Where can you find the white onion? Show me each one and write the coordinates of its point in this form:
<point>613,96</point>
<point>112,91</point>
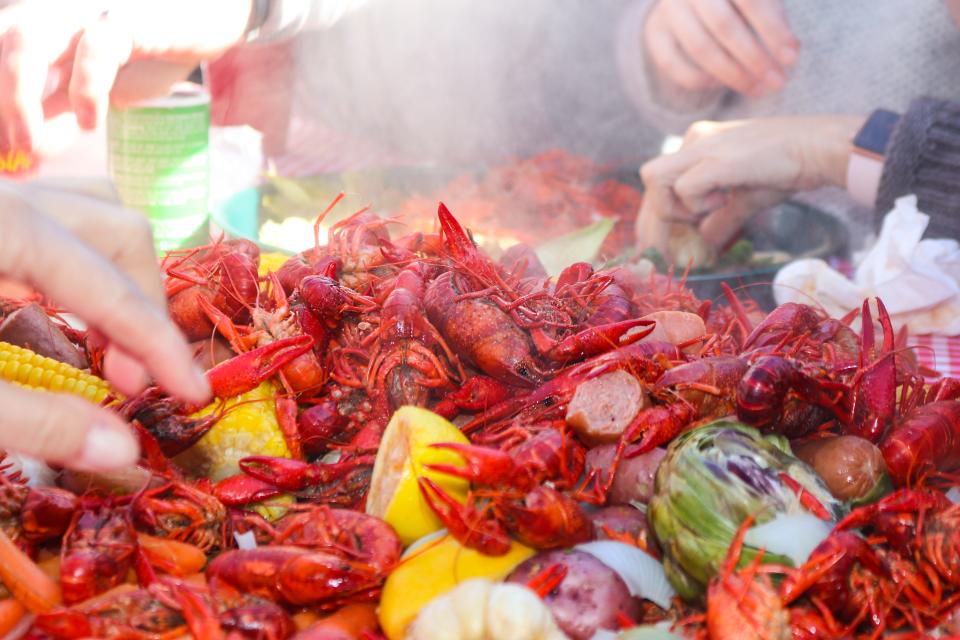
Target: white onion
<point>642,574</point>
<point>416,544</point>
<point>246,540</point>
<point>794,535</point>
<point>37,473</point>
<point>20,629</point>
<point>605,634</point>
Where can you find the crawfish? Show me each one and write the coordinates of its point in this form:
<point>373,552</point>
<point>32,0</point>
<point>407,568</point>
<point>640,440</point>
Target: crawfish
<point>169,609</point>
<point>98,550</point>
<point>694,391</point>
<point>745,604</point>
<point>327,557</point>
<point>403,361</point>
<point>167,419</point>
<point>183,512</point>
<point>514,494</point>
<point>343,483</point>
<point>223,273</point>
<point>34,515</point>
<point>600,313</point>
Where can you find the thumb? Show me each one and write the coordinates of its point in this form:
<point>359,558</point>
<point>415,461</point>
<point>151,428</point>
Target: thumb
<point>65,430</point>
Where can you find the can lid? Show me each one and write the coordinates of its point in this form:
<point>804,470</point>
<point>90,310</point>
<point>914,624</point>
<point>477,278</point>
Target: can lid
<point>183,94</point>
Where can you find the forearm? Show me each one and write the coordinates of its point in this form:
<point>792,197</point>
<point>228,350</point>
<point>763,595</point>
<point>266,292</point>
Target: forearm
<point>671,108</point>
<point>923,158</point>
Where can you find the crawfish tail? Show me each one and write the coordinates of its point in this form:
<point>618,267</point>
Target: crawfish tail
<point>928,438</point>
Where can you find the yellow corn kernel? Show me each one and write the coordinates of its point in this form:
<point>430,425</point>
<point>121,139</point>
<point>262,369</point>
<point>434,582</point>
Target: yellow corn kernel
<point>271,262</point>
<point>27,369</point>
<point>248,427</point>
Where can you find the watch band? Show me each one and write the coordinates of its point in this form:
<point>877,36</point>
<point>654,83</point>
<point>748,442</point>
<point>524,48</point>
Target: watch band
<point>865,167</point>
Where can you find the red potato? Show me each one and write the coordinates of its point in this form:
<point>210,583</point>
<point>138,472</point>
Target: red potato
<point>633,482</point>
<point>853,468</point>
<point>601,408</point>
<point>590,597</point>
<point>622,522</point>
<point>675,327</point>
<point>31,328</point>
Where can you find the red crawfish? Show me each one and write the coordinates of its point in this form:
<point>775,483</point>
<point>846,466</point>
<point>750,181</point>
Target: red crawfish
<point>223,273</point>
<point>512,497</point>
<point>408,355</point>
<point>745,604</point>
<point>600,311</point>
<point>926,438</point>
<point>321,557</point>
<point>167,419</point>
<point>344,483</point>
<point>183,512</point>
<point>170,609</point>
<point>34,515</point>
<point>646,360</point>
<point>690,392</point>
<point>98,551</point>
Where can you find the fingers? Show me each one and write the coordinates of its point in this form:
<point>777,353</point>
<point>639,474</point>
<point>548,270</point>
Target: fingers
<point>733,33</point>
<point>721,225</point>
<point>670,59</point>
<point>37,250</point>
<point>129,245</point>
<point>702,186</point>
<point>103,48</point>
<point>23,74</point>
<point>700,45</point>
<point>769,20</point>
<point>64,430</point>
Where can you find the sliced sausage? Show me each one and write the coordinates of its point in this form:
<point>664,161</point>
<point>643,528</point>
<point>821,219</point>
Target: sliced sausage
<point>675,327</point>
<point>601,408</point>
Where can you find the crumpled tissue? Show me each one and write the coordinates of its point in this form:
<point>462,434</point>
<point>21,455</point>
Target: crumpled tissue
<point>918,280</point>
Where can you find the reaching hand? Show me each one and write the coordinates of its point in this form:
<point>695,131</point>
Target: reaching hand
<point>98,261</point>
<point>725,172</point>
<point>745,45</point>
<point>88,57</point>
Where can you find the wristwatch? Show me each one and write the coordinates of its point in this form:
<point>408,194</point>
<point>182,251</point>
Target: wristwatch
<point>866,157</point>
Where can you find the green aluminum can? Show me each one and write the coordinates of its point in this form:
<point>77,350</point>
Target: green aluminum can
<point>159,161</point>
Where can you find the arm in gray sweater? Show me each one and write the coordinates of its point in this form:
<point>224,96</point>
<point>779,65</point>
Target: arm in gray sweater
<point>923,158</point>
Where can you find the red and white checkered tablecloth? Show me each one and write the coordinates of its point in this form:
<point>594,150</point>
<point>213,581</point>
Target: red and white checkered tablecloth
<point>313,150</point>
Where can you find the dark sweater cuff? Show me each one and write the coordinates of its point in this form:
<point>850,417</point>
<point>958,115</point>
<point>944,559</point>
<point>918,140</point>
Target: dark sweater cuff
<point>923,158</point>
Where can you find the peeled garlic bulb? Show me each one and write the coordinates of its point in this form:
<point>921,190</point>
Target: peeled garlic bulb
<point>483,610</point>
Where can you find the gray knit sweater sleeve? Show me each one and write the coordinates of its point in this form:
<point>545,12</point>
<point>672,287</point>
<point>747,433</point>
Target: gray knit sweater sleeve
<point>923,158</point>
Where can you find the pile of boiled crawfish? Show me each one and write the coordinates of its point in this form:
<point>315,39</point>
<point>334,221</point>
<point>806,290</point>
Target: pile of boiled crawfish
<point>371,321</point>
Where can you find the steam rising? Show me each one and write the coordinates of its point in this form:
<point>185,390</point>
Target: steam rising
<point>471,82</point>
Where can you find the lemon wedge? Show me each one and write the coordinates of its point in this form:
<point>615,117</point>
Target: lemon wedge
<point>405,447</point>
<point>432,571</point>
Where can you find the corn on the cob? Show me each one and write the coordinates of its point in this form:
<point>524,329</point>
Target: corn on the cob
<point>248,427</point>
<point>27,369</point>
<point>271,262</point>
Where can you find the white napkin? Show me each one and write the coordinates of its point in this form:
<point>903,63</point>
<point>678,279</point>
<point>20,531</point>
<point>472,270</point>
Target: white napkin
<point>918,280</point>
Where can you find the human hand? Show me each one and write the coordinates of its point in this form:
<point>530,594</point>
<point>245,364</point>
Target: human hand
<point>60,56</point>
<point>725,172</point>
<point>745,45</point>
<point>55,242</point>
